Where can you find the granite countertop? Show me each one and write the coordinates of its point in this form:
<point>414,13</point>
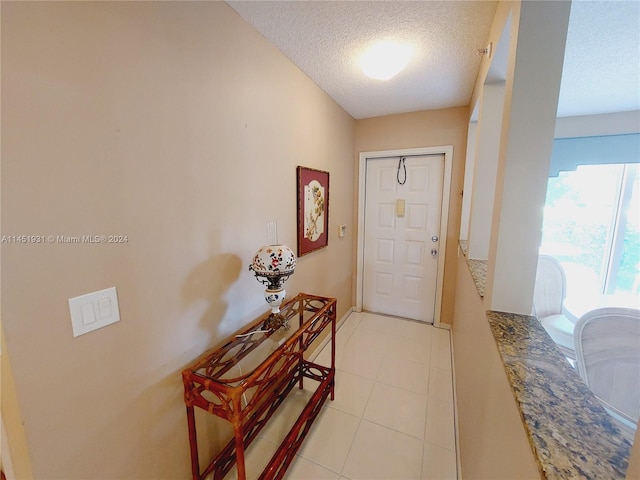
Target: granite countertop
<point>464,246</point>
<point>478,268</point>
<point>570,432</point>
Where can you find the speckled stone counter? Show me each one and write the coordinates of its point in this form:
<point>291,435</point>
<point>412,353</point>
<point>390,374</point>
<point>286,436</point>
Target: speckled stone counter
<point>464,246</point>
<point>571,434</point>
<point>478,268</point>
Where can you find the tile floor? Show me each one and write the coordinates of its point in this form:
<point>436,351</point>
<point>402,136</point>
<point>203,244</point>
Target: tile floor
<point>393,413</point>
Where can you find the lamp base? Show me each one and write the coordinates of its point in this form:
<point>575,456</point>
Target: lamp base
<point>275,299</point>
<point>275,321</point>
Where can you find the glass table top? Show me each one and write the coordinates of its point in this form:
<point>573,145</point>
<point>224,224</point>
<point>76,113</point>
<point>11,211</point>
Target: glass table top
<point>243,353</point>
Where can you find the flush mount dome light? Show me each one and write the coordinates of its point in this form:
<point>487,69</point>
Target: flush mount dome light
<point>385,60</point>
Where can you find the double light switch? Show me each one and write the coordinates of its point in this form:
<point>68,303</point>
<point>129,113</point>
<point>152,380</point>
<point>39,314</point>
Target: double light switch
<point>94,310</point>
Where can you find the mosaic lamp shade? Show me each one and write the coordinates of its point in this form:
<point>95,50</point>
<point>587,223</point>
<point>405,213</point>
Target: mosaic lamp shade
<point>273,265</point>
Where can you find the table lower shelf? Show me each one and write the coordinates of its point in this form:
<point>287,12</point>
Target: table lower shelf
<point>277,466</point>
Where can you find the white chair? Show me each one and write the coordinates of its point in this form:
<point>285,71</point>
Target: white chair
<point>548,302</point>
<point>607,343</point>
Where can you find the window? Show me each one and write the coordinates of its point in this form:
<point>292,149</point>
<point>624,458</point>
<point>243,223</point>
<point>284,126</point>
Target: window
<point>592,226</point>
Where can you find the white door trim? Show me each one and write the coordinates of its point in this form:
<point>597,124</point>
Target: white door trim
<point>447,151</point>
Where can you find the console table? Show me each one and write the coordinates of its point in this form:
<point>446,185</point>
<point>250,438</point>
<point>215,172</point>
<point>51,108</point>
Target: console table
<point>247,378</point>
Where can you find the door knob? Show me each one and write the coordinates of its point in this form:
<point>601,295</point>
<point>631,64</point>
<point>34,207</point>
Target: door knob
<point>434,252</point>
<point>434,238</point>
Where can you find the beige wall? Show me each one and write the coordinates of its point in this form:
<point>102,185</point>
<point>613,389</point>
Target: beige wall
<point>493,442</point>
<point>425,129</point>
<point>14,461</point>
<point>179,126</point>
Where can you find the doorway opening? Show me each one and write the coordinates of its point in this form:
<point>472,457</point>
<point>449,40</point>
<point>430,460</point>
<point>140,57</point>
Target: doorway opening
<point>446,156</point>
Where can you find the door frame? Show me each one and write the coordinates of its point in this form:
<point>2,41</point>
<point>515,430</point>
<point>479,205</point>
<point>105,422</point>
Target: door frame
<point>447,151</point>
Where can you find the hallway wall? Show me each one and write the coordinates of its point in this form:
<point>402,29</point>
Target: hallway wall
<point>177,126</point>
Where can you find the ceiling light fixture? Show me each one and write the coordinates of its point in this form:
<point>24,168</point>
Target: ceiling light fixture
<point>385,60</point>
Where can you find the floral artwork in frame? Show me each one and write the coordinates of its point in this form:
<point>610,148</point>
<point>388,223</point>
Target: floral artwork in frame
<point>313,210</point>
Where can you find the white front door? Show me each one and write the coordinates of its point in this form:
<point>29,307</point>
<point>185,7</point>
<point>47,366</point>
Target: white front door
<point>401,235</point>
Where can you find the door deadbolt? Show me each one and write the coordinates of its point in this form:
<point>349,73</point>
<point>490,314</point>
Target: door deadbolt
<point>434,252</point>
<point>434,238</point>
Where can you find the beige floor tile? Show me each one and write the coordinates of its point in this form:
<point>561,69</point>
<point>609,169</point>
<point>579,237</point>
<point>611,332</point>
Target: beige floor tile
<point>380,323</point>
<point>350,324</point>
<point>405,348</point>
<point>438,463</point>
<point>441,334</point>
<point>351,393</point>
<point>397,409</point>
<point>440,428</point>
<point>382,453</point>
<point>406,374</point>
<point>441,384</point>
<point>324,357</point>
<point>393,415</point>
<point>303,469</point>
<point>398,326</point>
<point>342,336</point>
<point>441,350</point>
<point>281,422</point>
<point>414,330</point>
<point>365,338</point>
<point>360,361</point>
<point>441,359</point>
<point>328,442</point>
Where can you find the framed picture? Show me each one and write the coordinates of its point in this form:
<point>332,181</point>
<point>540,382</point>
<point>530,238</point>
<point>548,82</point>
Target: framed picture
<point>313,210</point>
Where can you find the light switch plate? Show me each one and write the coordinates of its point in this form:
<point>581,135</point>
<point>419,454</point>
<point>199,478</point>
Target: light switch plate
<point>94,310</point>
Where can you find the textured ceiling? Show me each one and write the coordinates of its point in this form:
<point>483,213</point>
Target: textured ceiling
<point>602,58</point>
<point>325,38</point>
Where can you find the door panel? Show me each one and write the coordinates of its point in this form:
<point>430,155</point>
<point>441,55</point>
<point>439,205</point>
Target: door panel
<point>399,271</point>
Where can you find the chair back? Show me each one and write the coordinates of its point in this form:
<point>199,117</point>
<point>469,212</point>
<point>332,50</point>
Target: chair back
<point>607,342</point>
<point>550,288</point>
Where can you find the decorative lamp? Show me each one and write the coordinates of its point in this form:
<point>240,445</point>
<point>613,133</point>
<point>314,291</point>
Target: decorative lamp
<point>273,265</point>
